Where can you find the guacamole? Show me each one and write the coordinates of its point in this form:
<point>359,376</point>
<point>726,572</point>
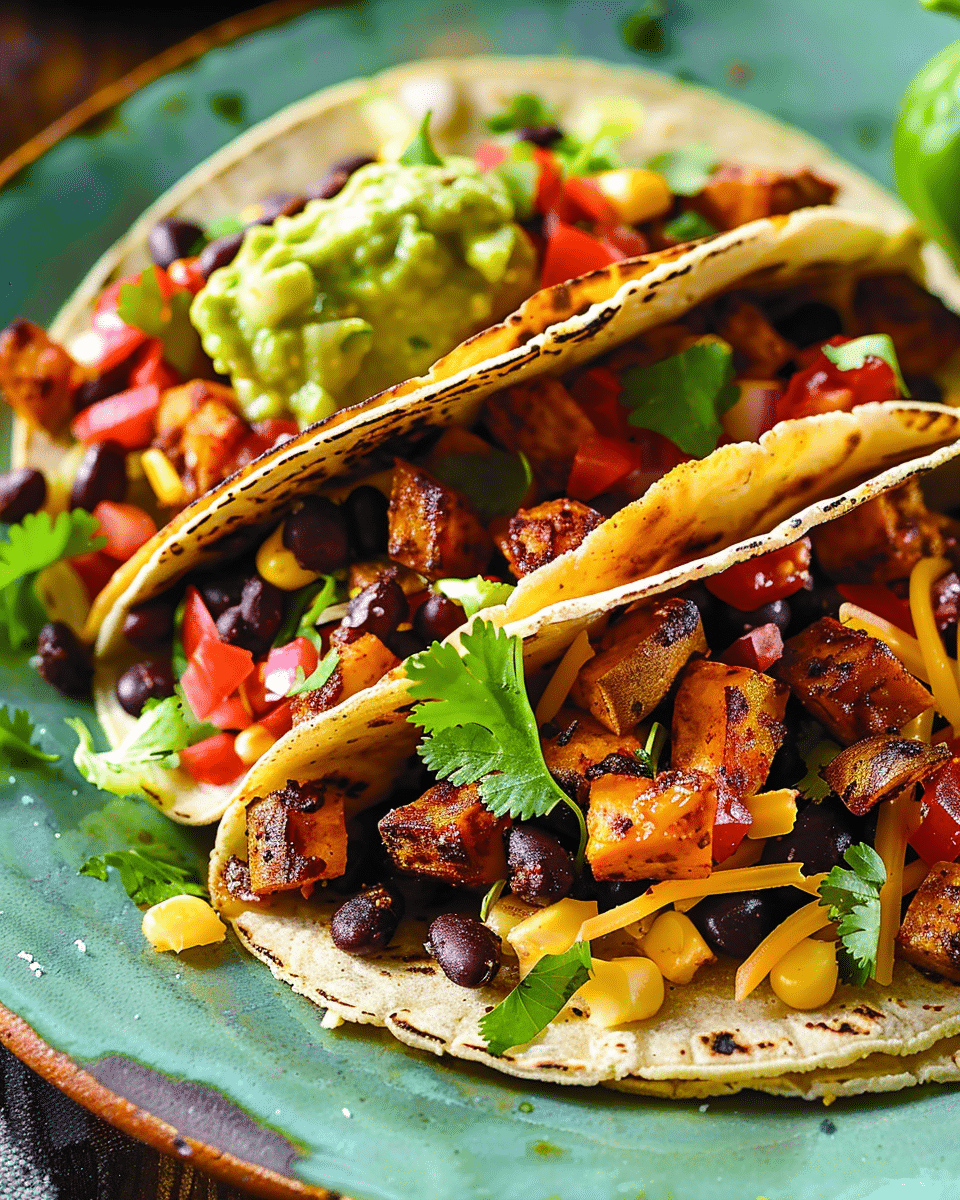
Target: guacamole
<point>358,292</point>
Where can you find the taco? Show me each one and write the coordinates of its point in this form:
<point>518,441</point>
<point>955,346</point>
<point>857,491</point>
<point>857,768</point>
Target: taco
<point>774,839</point>
<point>434,563</point>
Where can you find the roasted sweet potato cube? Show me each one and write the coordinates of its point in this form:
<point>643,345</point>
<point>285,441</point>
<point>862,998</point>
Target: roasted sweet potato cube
<point>881,540</point>
<point>651,828</point>
<point>360,665</point>
<point>536,536</point>
<point>880,767</point>
<point>37,377</point>
<point>433,529</point>
<point>925,333</point>
<point>577,749</point>
<point>852,683</point>
<point>447,834</point>
<point>543,421</point>
<point>296,836</point>
<point>728,722</point>
<point>735,195</point>
<point>626,681</point>
<point>930,934</point>
<point>759,351</point>
<point>199,428</point>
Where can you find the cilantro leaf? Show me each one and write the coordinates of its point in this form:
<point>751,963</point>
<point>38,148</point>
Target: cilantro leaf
<point>154,740</point>
<point>16,733</point>
<point>476,593</point>
<point>536,999</point>
<point>420,152</point>
<point>526,108</point>
<point>683,397</point>
<point>688,226</point>
<point>687,168</point>
<point>490,899</point>
<point>649,756</point>
<point>853,900</point>
<point>305,607</point>
<point>495,484</point>
<point>142,305</point>
<point>642,30</point>
<point>850,356</point>
<point>149,874</point>
<point>813,785</point>
<point>318,677</point>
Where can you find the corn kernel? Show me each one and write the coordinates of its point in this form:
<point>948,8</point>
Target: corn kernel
<point>63,595</point>
<point>252,743</point>
<point>636,194</point>
<point>550,930</point>
<point>806,976</point>
<point>507,914</point>
<point>277,565</point>
<point>675,945</point>
<point>774,813</point>
<point>622,990</point>
<point>163,478</point>
<point>182,922</point>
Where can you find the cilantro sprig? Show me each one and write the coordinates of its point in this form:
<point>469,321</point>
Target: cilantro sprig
<point>813,785</point>
<point>850,356</point>
<point>149,874</point>
<point>421,151</point>
<point>16,740</point>
<point>649,756</point>
<point>479,724</point>
<point>142,305</point>
<point>476,593</point>
<point>853,900</point>
<point>536,999</point>
<point>523,109</point>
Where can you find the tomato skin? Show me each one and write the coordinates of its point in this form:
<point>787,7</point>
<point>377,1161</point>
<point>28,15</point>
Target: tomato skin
<point>730,827</point>
<point>279,720</point>
<point>823,387</point>
<point>197,622</point>
<point>571,252</point>
<point>758,649</point>
<point>151,368</point>
<point>214,673</point>
<point>95,569</point>
<point>584,193</point>
<point>937,839</point>
<point>774,576</point>
<point>213,760</point>
<point>489,155</point>
<point>231,714</point>
<point>878,598</point>
<point>186,274</point>
<point>600,463</point>
<point>118,342</point>
<point>624,242</point>
<point>597,391</point>
<point>550,181</point>
<point>125,526</point>
<point>127,418</point>
<point>280,669</point>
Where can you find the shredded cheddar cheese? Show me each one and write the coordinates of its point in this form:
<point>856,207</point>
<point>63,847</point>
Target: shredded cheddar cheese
<point>941,671</point>
<point>897,819</point>
<point>789,933</point>
<point>913,875</point>
<point>920,729</point>
<point>578,652</point>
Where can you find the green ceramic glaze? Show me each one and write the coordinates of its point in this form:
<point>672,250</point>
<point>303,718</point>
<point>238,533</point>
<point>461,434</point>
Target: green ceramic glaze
<point>351,1108</point>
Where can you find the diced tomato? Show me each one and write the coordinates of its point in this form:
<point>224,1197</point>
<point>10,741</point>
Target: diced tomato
<point>659,455</point>
<point>231,714</point>
<point>770,577</point>
<point>150,367</point>
<point>597,391</point>
<point>117,343</point>
<point>823,387</point>
<point>489,155</point>
<point>937,839</point>
<point>280,670</point>
<point>279,720</point>
<point>878,598</point>
<point>95,569</point>
<point>197,622</point>
<point>275,428</point>
<point>125,526</point>
<point>127,418</point>
<point>594,205</point>
<point>600,464</point>
<point>186,273</point>
<point>755,410</point>
<point>215,671</point>
<point>571,252</point>
<point>758,649</point>
<point>623,242</point>
<point>254,690</point>
<point>213,760</point>
<point>549,182</point>
<point>731,826</point>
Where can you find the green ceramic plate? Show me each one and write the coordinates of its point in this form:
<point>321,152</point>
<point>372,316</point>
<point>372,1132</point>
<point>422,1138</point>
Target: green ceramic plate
<point>209,1043</point>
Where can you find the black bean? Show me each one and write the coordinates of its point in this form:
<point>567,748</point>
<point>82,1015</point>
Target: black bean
<point>224,591</point>
<point>404,642</point>
<point>808,324</point>
<point>316,534</point>
<point>366,510</point>
<point>379,609</point>
<point>820,836</point>
<point>467,951</point>
<point>735,924</point>
<point>142,682</point>
<point>102,475</point>
<point>279,204</point>
<point>22,491</point>
<point>334,179</point>
<point>809,605</point>
<point>540,135</point>
<point>173,238</point>
<point>538,867</point>
<point>219,253</point>
<point>64,661</point>
<point>437,617</point>
<point>367,922</point>
<point>150,624</point>
<point>253,623</point>
<point>108,384</point>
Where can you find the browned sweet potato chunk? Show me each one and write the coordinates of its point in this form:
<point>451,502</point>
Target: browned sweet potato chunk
<point>433,529</point>
<point>852,683</point>
<point>728,722</point>
<point>626,681</point>
<point>296,836</point>
<point>37,377</point>
<point>360,665</point>
<point>881,540</point>
<point>879,767</point>
<point>759,351</point>
<point>734,195</point>
<point>448,834</point>
<point>543,421</point>
<point>930,934</point>
<point>536,536</point>
<point>577,749</point>
<point>651,828</point>
<point>200,429</point>
<point>924,331</point>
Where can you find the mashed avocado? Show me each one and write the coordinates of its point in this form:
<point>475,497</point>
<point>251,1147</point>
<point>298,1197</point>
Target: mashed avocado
<point>355,293</point>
